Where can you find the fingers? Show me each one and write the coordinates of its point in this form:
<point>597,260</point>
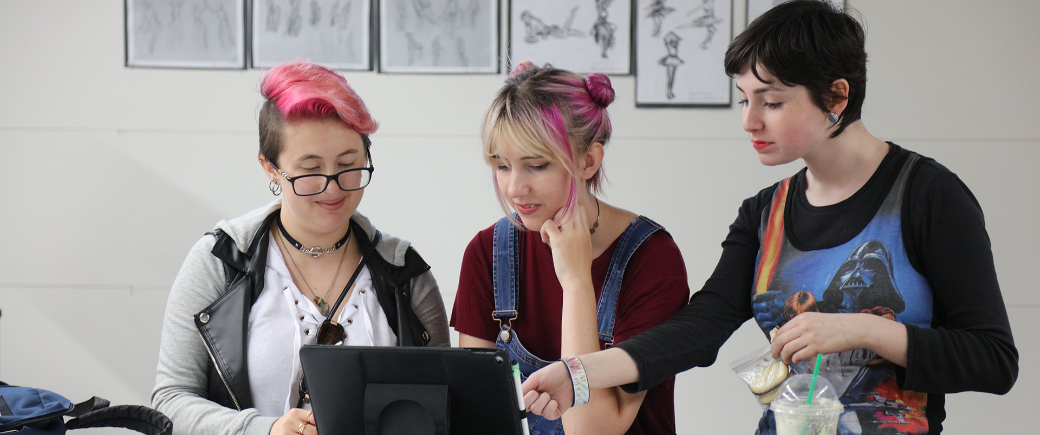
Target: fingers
<point>529,398</point>
<point>549,230</point>
<point>802,338</point>
<point>788,341</point>
<point>544,406</point>
<point>789,350</point>
<point>552,410</point>
<point>538,404</point>
<point>295,421</point>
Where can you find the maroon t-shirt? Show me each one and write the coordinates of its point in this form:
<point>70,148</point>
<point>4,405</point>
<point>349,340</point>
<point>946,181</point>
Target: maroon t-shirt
<point>653,289</point>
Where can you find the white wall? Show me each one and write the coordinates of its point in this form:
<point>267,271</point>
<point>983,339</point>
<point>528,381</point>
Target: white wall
<point>112,173</point>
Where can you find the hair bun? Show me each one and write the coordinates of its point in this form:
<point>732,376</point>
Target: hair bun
<point>598,85</point>
<point>521,68</point>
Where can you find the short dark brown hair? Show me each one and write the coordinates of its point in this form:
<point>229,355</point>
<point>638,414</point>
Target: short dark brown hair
<point>808,43</point>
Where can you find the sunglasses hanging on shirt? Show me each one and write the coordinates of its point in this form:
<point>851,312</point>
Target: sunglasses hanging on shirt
<point>330,332</point>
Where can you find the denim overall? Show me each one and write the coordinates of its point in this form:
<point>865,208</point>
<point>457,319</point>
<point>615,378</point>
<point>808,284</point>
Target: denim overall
<point>506,276</point>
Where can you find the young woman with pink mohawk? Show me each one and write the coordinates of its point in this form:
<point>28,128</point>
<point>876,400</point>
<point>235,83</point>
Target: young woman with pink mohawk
<point>306,268</point>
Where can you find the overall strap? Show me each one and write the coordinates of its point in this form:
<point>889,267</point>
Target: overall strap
<point>606,309</point>
<point>505,272</point>
<point>772,240</point>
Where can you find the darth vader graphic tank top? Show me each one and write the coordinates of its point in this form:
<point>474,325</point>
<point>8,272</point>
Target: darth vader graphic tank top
<point>870,273</point>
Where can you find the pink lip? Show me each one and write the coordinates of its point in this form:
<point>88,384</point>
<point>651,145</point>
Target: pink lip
<point>760,144</point>
<point>527,208</point>
<point>331,205</point>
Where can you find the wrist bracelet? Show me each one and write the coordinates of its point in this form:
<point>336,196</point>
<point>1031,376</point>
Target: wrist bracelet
<point>579,380</point>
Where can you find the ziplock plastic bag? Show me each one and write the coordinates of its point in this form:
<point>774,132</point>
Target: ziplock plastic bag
<point>762,373</point>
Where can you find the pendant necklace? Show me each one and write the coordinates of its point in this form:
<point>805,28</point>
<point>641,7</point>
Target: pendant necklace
<point>323,307</point>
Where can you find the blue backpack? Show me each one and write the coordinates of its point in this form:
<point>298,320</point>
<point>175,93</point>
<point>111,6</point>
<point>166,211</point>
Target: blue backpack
<point>32,411</point>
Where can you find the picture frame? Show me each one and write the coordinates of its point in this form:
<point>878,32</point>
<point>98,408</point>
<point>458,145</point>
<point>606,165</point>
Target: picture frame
<point>439,36</point>
<point>185,34</point>
<point>583,36</point>
<point>333,33</point>
<point>680,48</point>
<point>759,7</point>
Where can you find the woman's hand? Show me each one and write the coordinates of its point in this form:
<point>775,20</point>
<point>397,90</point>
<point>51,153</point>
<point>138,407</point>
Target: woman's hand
<point>295,422</point>
<point>809,333</point>
<point>571,246</point>
<point>548,392</point>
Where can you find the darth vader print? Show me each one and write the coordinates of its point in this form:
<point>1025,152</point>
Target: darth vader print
<point>864,283</point>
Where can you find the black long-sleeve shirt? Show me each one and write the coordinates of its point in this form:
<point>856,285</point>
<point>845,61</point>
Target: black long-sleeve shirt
<point>969,346</point>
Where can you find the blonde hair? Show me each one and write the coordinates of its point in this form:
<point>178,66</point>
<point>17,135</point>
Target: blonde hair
<point>553,113</point>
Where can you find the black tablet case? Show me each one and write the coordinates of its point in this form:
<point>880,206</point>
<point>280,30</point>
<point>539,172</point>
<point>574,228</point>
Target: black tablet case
<point>475,387</point>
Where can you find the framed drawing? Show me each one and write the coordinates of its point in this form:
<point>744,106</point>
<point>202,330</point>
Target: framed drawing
<point>680,46</point>
<point>185,33</point>
<point>759,7</point>
<point>583,36</point>
<point>333,33</point>
<point>438,36</point>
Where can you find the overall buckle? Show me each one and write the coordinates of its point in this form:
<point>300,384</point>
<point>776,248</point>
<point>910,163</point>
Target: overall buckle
<point>509,315</point>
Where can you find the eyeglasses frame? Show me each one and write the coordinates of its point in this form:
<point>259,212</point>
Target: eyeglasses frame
<point>329,178</point>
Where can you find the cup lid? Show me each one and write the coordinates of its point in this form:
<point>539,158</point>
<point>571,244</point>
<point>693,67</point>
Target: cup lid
<point>794,392</point>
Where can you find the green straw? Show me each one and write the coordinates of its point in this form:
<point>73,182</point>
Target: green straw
<point>815,374</point>
<point>812,388</point>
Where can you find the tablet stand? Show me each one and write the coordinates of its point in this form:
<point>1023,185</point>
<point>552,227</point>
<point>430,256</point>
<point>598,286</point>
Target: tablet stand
<point>406,409</point>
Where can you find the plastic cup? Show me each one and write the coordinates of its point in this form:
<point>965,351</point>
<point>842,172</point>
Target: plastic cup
<point>794,416</point>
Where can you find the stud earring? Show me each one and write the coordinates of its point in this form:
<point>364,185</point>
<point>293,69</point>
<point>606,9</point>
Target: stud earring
<point>832,118</point>
<point>276,189</point>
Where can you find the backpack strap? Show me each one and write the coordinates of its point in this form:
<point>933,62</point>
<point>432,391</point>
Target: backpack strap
<point>134,417</point>
<point>50,409</point>
<point>91,404</point>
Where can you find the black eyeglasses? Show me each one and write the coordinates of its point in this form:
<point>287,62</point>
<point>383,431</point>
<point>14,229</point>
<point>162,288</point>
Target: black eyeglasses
<point>351,179</point>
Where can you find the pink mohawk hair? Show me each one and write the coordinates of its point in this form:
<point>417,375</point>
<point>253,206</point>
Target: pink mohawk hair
<point>303,90</point>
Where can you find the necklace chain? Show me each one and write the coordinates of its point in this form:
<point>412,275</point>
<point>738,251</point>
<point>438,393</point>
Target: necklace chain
<point>323,306</point>
<point>596,224</point>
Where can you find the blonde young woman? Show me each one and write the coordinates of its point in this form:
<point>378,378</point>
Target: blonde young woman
<point>565,272</point>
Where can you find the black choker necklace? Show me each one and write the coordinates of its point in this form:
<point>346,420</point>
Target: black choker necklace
<point>316,251</point>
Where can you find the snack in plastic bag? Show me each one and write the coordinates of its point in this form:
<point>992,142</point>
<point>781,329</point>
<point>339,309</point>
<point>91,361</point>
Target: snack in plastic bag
<point>769,378</point>
<point>762,373</point>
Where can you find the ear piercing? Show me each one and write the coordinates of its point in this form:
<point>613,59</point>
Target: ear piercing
<point>833,118</point>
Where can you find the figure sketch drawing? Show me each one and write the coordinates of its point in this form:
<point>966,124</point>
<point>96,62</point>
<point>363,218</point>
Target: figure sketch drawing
<point>656,12</point>
<point>603,30</point>
<point>672,61</point>
<point>536,29</point>
<point>706,20</point>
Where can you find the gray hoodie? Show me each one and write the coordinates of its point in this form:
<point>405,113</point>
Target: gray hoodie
<point>181,381</point>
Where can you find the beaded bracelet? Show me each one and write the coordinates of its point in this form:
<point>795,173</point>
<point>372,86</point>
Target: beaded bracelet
<point>579,381</point>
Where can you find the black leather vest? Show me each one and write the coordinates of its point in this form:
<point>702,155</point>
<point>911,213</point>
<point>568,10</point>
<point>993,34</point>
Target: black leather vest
<point>223,325</point>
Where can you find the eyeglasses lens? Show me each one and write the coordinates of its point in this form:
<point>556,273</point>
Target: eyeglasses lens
<point>331,333</point>
<point>348,180</point>
<point>310,184</point>
<point>353,180</point>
